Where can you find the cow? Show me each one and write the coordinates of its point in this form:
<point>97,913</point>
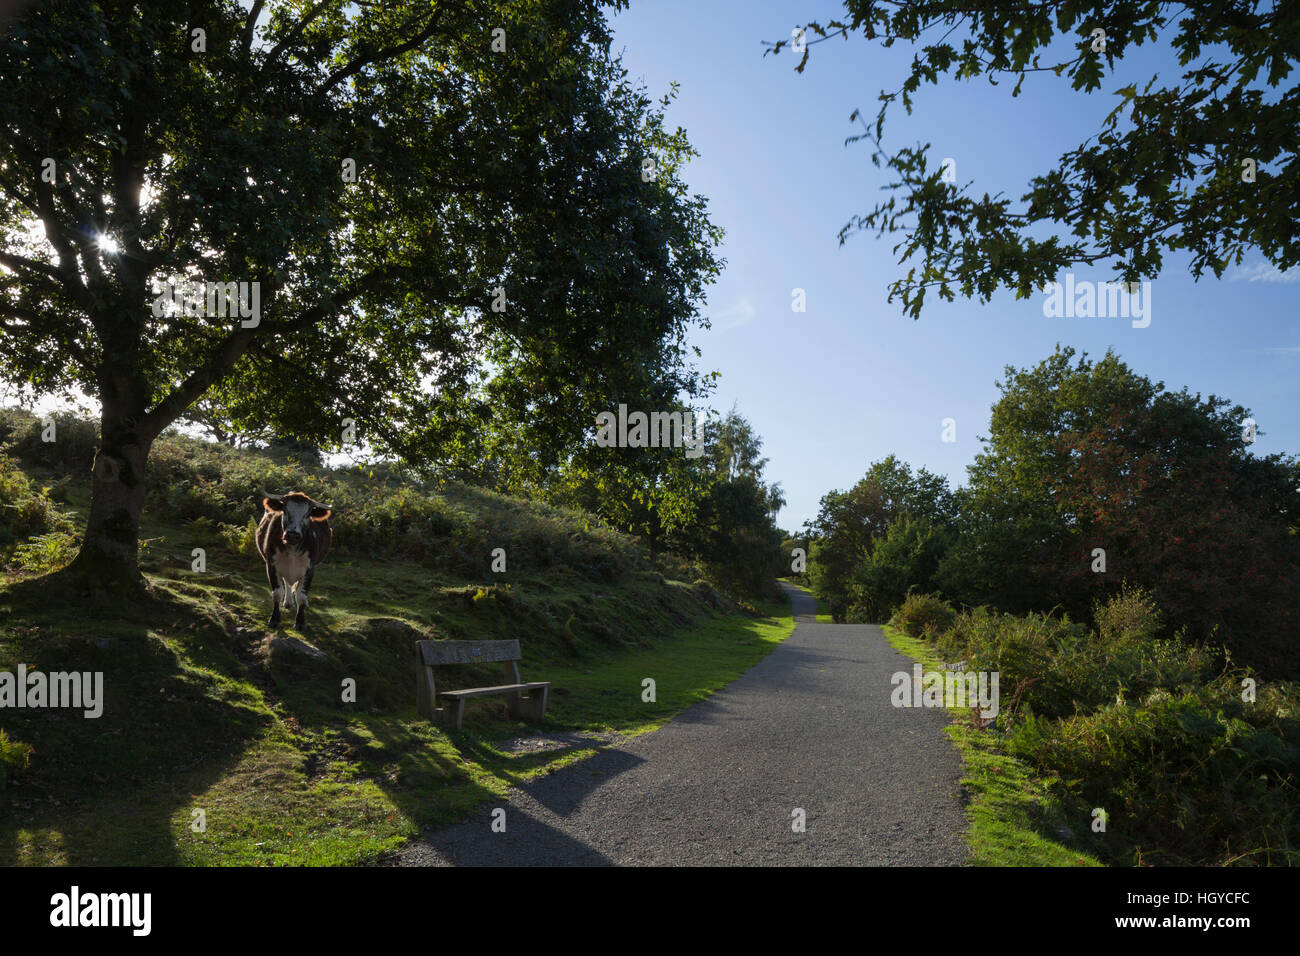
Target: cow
<point>292,538</point>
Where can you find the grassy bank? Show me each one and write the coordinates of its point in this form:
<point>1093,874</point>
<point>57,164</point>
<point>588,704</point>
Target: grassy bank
<point>218,745</point>
<point>283,773</point>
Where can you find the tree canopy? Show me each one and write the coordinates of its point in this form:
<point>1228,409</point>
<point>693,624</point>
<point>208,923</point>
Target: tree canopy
<point>850,523</point>
<point>444,216</point>
<point>1205,162</point>
<point>1093,475</point>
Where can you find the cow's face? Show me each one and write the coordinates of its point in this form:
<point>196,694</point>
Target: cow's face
<point>297,512</point>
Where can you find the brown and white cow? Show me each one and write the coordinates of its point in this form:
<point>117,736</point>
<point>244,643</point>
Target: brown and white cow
<point>293,537</point>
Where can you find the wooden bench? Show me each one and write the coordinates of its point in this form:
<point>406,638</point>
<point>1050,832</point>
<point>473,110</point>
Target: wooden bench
<point>431,654</point>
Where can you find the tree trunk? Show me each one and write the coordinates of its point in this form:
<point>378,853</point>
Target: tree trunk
<point>107,564</point>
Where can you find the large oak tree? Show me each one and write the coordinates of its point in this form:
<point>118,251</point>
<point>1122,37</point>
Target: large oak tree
<point>515,240</point>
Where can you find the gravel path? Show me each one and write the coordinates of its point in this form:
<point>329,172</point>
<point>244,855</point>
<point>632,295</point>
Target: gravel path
<point>809,727</point>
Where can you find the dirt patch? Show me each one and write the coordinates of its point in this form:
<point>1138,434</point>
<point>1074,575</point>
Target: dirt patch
<point>569,740</point>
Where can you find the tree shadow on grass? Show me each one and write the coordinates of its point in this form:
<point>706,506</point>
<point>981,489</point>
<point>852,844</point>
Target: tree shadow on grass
<point>104,790</point>
<point>433,777</point>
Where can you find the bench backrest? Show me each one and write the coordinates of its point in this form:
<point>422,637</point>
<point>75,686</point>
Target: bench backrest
<point>437,653</point>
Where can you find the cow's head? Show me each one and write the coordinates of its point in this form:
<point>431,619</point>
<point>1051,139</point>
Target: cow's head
<point>296,511</point>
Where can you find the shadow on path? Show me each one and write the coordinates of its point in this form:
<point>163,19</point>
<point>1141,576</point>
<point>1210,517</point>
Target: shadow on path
<point>808,734</point>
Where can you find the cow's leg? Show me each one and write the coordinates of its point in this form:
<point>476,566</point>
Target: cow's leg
<point>275,591</point>
<point>300,620</point>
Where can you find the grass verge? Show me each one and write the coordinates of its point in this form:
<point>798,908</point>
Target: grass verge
<point>1014,818</point>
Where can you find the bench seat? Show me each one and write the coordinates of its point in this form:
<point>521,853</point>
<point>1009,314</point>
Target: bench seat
<point>485,691</point>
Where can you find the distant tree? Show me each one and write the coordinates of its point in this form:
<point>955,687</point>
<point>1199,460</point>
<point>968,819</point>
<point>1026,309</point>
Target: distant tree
<point>215,420</point>
<point>775,500</point>
<point>1204,161</point>
<point>1089,457</point>
<point>784,563</point>
<point>733,536</point>
<point>734,446</point>
<point>1167,494</point>
<point>849,522</point>
<point>295,449</point>
<point>712,507</point>
<point>905,558</point>
<point>652,493</point>
<point>1010,552</point>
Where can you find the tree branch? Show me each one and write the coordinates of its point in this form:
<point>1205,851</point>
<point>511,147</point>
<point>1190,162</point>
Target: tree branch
<point>237,343</point>
<point>359,64</point>
<point>31,315</point>
<point>57,236</point>
<point>14,261</point>
<point>250,24</point>
<point>295,33</point>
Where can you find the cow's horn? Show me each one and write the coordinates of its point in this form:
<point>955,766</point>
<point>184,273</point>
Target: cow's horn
<point>267,494</point>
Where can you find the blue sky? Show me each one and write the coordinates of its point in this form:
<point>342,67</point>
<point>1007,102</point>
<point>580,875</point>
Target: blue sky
<point>852,379</point>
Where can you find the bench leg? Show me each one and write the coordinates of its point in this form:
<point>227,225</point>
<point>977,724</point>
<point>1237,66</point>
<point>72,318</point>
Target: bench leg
<point>532,707</point>
<point>425,692</point>
<point>518,706</point>
<point>536,705</point>
<point>514,702</point>
<point>450,715</point>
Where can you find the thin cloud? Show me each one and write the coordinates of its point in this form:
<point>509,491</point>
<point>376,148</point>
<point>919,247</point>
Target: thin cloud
<point>1264,272</point>
<point>733,316</point>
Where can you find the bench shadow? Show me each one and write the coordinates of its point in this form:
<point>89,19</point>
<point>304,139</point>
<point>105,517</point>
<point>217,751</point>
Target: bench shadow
<point>564,790</point>
<point>527,841</point>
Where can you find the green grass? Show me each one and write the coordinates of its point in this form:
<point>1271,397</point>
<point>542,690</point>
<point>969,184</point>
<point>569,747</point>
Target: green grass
<point>198,718</point>
<point>213,750</point>
<point>1014,818</point>
<point>609,696</point>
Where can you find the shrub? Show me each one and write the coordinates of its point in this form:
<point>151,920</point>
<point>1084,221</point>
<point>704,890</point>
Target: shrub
<point>45,553</point>
<point>1025,651</point>
<point>923,615</point>
<point>14,756</point>
<point>1192,778</point>
<point>1131,615</point>
<point>240,539</point>
<point>1152,730</point>
<point>26,513</point>
<point>72,451</point>
<point>381,510</point>
<point>1053,667</point>
<point>903,559</point>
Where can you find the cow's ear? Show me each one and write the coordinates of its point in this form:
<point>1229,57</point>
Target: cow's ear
<point>321,514</point>
<point>270,504</point>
